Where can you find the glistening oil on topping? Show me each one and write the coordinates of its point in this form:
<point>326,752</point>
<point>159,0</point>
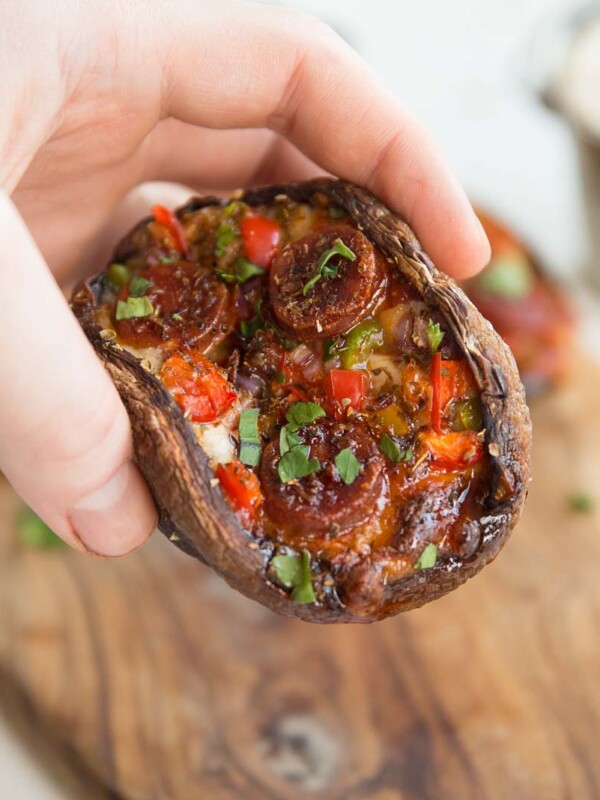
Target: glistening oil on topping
<point>340,417</point>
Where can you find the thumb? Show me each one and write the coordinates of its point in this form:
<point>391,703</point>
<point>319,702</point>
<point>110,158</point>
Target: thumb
<point>64,435</point>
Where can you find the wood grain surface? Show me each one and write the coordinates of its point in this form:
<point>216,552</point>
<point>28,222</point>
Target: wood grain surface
<point>155,681</point>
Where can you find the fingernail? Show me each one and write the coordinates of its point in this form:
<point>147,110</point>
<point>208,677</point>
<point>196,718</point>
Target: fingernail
<point>116,518</point>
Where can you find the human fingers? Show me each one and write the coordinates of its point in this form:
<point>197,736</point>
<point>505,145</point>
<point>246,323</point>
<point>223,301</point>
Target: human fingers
<point>289,72</point>
<point>64,434</point>
<point>221,160</point>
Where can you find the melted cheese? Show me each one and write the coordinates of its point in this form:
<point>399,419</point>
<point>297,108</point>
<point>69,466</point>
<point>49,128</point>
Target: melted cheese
<point>217,442</point>
<point>389,370</point>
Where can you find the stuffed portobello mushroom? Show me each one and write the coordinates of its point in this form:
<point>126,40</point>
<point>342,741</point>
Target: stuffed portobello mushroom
<point>322,417</point>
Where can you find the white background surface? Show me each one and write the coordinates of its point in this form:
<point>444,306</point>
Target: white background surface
<point>463,67</point>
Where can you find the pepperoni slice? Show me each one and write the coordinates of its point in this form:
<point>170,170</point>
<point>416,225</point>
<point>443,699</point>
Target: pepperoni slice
<point>335,304</point>
<point>191,307</point>
<point>322,503</point>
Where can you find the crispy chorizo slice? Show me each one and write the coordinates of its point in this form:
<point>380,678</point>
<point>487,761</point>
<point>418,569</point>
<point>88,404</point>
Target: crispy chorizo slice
<point>322,502</point>
<point>345,292</point>
<point>190,305</point>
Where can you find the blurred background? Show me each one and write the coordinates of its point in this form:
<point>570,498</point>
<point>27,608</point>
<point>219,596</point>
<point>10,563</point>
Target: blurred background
<point>471,71</point>
<point>481,75</point>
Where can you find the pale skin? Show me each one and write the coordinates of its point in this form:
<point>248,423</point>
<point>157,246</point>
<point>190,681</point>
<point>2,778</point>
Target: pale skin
<point>100,96</point>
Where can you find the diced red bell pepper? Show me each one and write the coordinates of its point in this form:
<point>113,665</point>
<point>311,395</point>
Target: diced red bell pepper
<point>169,221</point>
<point>347,384</point>
<point>455,450</point>
<point>199,387</point>
<point>436,393</point>
<point>456,382</point>
<point>261,239</point>
<point>241,486</point>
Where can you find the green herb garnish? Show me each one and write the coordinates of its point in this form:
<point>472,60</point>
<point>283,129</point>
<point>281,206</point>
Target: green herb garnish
<point>177,317</point>
<point>335,212</point>
<point>168,259</point>
<point>390,448</point>
<point>139,286</point>
<point>294,573</point>
<point>581,502</point>
<point>243,270</point>
<point>249,327</point>
<point>250,443</point>
<point>33,532</point>
<point>279,376</point>
<point>301,414</point>
<point>347,465</point>
<point>508,276</point>
<point>428,557</point>
<point>329,349</point>
<point>434,335</point>
<point>287,440</point>
<point>323,268</point>
<point>226,277</point>
<point>118,274</point>
<point>133,307</point>
<point>225,235</point>
<point>296,464</point>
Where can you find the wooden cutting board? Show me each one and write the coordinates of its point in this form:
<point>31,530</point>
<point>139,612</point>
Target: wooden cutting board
<point>155,681</point>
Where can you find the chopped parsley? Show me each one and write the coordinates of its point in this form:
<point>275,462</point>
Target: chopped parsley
<point>134,307</point>
<point>139,286</point>
<point>225,236</point>
<point>323,268</point>
<point>243,270</point>
<point>296,464</point>
<point>428,557</point>
<point>250,443</point>
<point>332,348</point>
<point>177,317</point>
<point>347,465</point>
<point>287,440</point>
<point>294,573</point>
<point>249,327</point>
<point>33,532</point>
<point>168,259</point>
<point>279,376</point>
<point>301,414</point>
<point>335,212</point>
<point>581,502</point>
<point>390,448</point>
<point>434,335</point>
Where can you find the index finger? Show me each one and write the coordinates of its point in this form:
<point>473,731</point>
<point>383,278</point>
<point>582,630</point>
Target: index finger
<point>246,65</point>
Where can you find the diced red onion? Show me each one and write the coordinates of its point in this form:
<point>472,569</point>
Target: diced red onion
<point>251,383</point>
<point>253,283</point>
<point>300,355</point>
<point>242,306</point>
<point>310,364</point>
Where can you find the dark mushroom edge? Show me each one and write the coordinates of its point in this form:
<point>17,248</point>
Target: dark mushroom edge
<point>322,416</point>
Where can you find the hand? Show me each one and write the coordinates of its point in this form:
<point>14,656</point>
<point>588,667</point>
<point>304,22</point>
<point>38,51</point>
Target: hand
<point>100,96</point>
